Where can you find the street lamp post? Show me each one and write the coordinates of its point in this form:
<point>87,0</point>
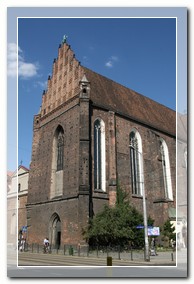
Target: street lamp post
<point>147,254</point>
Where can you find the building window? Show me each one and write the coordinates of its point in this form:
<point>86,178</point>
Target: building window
<point>136,162</point>
<point>57,166</point>
<point>19,187</point>
<point>60,150</point>
<point>99,155</point>
<point>166,170</point>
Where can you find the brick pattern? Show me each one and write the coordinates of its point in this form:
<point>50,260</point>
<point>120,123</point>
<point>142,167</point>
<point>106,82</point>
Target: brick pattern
<point>22,213</point>
<point>64,82</point>
<point>157,205</point>
<point>40,175</point>
<point>67,210</point>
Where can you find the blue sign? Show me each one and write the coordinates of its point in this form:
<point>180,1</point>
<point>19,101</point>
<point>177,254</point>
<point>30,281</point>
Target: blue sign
<point>139,227</point>
<point>24,229</point>
<point>142,227</point>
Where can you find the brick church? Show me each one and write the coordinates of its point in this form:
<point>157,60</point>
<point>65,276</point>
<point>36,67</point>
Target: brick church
<point>91,133</point>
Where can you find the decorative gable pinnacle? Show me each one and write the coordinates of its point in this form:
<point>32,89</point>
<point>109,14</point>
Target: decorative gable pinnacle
<point>84,87</point>
<point>84,79</point>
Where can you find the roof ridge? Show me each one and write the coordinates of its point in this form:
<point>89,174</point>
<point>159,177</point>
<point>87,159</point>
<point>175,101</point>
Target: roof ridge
<point>123,86</point>
<point>130,103</point>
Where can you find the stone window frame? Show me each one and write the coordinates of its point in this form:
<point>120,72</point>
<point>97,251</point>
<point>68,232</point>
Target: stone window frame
<point>136,162</point>
<point>99,155</point>
<point>57,163</point>
<point>166,169</point>
<point>60,150</point>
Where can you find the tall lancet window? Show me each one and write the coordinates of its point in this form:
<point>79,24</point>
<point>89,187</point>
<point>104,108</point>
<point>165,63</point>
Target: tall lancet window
<point>166,170</point>
<point>99,155</point>
<point>136,162</point>
<point>60,150</point>
<point>57,166</point>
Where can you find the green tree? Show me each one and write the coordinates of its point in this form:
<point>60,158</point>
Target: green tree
<point>168,230</point>
<point>116,225</point>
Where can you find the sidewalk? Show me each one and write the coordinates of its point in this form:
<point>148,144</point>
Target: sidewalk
<point>136,258</point>
<point>161,259</point>
<point>164,259</point>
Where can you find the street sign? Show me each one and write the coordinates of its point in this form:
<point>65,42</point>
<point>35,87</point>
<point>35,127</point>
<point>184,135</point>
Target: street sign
<point>142,227</point>
<point>24,228</point>
<point>153,231</point>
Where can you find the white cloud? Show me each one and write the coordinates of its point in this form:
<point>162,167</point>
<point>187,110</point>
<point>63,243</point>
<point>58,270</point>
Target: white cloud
<point>109,64</point>
<point>111,61</point>
<point>25,69</point>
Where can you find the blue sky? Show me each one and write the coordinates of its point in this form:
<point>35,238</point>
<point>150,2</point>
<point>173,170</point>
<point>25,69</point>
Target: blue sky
<point>137,53</point>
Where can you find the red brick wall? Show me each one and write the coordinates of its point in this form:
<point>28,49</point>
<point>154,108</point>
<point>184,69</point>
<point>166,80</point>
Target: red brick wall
<point>157,208</point>
<point>22,213</point>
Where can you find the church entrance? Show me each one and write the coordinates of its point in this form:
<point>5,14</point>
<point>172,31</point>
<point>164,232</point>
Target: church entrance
<point>55,231</point>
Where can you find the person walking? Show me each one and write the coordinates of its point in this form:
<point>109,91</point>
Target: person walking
<point>46,245</point>
<point>22,244</point>
<point>153,247</point>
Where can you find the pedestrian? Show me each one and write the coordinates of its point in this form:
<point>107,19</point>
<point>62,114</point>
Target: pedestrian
<point>153,247</point>
<point>173,244</point>
<point>22,244</point>
<point>46,245</point>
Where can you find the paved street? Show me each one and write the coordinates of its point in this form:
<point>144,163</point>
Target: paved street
<point>29,259</point>
<point>34,259</point>
<point>38,265</point>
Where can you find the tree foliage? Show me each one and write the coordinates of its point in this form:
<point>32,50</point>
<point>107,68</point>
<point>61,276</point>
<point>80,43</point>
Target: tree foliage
<point>168,230</point>
<point>116,225</point>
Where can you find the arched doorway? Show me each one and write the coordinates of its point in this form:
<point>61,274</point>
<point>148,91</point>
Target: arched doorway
<point>55,231</point>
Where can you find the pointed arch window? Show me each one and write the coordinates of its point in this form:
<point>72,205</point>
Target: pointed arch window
<point>136,162</point>
<point>60,150</point>
<point>57,163</point>
<point>99,155</point>
<point>166,170</point>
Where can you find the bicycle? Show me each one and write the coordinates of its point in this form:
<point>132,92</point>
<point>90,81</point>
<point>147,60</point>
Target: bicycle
<point>46,248</point>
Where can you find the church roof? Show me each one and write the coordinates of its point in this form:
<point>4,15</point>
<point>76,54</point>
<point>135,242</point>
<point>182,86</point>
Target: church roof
<point>21,167</point>
<point>63,85</point>
<point>21,170</point>
<point>113,96</point>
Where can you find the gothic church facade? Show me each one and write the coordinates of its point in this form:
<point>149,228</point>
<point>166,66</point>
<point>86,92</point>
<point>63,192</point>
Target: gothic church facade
<point>90,134</point>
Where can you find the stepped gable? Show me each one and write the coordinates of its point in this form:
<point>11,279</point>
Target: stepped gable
<point>107,93</point>
<point>63,85</point>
